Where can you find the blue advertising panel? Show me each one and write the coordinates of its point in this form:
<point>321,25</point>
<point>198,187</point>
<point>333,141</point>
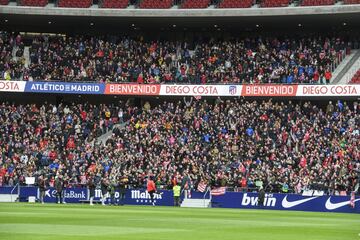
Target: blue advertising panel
<point>70,195</point>
<point>7,190</point>
<point>26,192</point>
<point>64,87</point>
<point>228,200</point>
<point>287,202</point>
<point>141,197</point>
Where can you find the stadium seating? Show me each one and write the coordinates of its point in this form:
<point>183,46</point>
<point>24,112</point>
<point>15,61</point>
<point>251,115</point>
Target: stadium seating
<point>274,3</point>
<point>4,2</point>
<point>235,3</point>
<point>317,2</point>
<point>156,4</point>
<point>34,3</point>
<point>114,4</point>
<point>195,4</point>
<point>351,2</point>
<point>356,78</point>
<point>75,3</point>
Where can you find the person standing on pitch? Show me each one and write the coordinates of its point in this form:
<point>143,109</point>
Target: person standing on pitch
<point>261,197</point>
<point>42,187</point>
<point>151,189</point>
<point>59,187</point>
<point>122,188</point>
<point>177,191</point>
<point>111,190</point>
<point>91,186</point>
<point>105,183</point>
<point>65,180</point>
<point>186,185</point>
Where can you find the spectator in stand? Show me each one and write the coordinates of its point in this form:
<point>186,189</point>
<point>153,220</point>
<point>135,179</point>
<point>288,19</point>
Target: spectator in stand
<point>328,76</point>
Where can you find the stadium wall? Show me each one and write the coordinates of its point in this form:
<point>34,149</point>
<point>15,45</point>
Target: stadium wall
<point>173,13</point>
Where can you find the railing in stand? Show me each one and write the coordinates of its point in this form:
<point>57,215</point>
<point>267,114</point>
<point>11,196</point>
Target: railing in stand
<point>18,188</point>
<point>207,191</point>
<point>340,56</point>
<point>350,74</point>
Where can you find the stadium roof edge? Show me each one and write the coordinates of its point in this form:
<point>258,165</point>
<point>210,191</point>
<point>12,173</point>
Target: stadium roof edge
<point>246,12</point>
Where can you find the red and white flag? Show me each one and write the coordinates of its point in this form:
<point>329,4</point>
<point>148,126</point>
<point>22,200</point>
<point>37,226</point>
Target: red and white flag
<point>201,186</point>
<point>218,191</point>
<point>352,200</point>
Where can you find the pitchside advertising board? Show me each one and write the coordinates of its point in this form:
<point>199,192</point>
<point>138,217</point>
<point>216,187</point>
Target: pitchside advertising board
<point>288,202</point>
<point>133,89</point>
<point>229,200</point>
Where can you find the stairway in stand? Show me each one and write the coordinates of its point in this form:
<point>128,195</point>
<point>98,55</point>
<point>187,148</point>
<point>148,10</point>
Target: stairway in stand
<point>196,203</point>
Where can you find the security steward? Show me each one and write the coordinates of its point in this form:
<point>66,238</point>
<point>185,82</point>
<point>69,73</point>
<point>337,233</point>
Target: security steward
<point>177,191</point>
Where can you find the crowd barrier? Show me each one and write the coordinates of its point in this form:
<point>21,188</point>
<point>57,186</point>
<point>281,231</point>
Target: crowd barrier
<point>246,90</point>
<point>229,200</point>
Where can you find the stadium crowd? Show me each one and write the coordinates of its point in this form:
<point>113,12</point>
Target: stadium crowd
<point>50,139</point>
<point>240,144</point>
<point>11,56</point>
<point>258,59</point>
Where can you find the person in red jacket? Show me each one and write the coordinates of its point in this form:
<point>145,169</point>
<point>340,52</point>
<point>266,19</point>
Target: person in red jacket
<point>151,188</point>
<point>328,76</point>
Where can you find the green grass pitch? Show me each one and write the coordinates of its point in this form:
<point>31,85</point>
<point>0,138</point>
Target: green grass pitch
<point>34,221</point>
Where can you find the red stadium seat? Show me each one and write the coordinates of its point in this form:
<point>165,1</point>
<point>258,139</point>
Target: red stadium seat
<point>235,3</point>
<point>156,4</point>
<point>34,3</point>
<point>317,2</point>
<point>195,4</point>
<point>4,2</point>
<point>275,3</point>
<point>114,4</point>
<point>75,3</point>
<point>356,78</point>
<point>351,1</point>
